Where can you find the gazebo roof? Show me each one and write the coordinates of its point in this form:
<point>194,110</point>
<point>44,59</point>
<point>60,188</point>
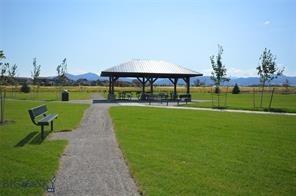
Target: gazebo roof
<point>149,68</point>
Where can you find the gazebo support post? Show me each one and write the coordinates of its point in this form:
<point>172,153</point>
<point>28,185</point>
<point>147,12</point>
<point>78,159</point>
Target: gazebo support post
<point>112,80</point>
<point>143,81</point>
<point>174,81</point>
<point>151,81</point>
<point>109,85</point>
<point>143,85</point>
<point>187,81</point>
<point>151,85</point>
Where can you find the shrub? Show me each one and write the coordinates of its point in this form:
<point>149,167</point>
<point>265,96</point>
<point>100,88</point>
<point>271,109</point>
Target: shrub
<point>25,88</point>
<point>235,89</point>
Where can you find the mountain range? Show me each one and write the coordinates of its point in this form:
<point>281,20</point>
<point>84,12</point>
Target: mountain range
<point>242,81</point>
<point>88,76</point>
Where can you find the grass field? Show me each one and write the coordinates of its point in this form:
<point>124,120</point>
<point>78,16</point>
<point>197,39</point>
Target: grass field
<point>284,99</point>
<point>245,101</point>
<point>26,163</point>
<point>48,96</point>
<point>183,152</point>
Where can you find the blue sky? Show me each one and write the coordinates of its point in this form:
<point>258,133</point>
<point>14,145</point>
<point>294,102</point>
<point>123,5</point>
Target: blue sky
<point>95,35</point>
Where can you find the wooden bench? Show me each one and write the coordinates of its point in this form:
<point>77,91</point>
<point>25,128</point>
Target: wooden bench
<point>40,117</point>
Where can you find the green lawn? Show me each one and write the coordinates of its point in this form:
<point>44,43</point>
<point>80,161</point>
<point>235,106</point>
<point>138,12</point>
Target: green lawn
<point>26,163</point>
<point>48,96</point>
<point>281,102</point>
<point>184,152</point>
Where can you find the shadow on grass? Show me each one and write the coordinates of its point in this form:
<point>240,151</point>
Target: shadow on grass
<point>64,130</point>
<point>33,138</point>
<point>275,110</point>
<point>220,107</point>
<point>38,140</point>
<point>7,122</point>
<point>26,139</point>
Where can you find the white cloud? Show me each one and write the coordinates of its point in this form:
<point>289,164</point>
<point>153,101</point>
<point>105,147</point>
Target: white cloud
<point>233,72</point>
<point>267,22</point>
<point>206,72</point>
<point>236,72</point>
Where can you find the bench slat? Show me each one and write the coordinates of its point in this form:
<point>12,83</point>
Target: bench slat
<point>37,111</point>
<point>47,119</point>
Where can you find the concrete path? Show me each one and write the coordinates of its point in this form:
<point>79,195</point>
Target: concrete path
<point>92,163</point>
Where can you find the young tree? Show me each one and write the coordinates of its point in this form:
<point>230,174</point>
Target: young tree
<point>36,72</point>
<point>62,70</point>
<point>11,75</point>
<point>286,85</point>
<point>267,70</point>
<point>3,68</point>
<point>219,71</point>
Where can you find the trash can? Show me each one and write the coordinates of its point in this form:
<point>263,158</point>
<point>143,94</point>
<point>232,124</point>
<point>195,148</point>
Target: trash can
<point>65,95</point>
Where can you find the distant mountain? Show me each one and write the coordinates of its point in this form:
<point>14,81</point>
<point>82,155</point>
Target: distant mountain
<point>89,76</point>
<point>255,80</point>
<point>241,81</point>
<point>248,81</point>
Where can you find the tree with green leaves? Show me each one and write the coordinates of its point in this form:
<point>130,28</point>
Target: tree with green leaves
<point>12,71</point>
<point>2,56</point>
<point>62,70</point>
<point>36,72</point>
<point>62,78</point>
<point>11,77</point>
<point>3,68</point>
<point>219,71</point>
<point>267,70</point>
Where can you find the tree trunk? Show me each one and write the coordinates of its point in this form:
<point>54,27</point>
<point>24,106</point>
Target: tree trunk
<point>2,104</point>
<point>212,99</point>
<point>254,98</point>
<point>269,107</point>
<point>225,101</point>
<point>261,99</point>
<point>218,99</point>
<point>218,91</point>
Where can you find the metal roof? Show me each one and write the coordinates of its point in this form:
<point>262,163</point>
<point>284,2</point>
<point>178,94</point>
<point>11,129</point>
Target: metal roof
<point>139,68</point>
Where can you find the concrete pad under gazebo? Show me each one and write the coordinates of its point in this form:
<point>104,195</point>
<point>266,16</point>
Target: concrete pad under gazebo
<point>149,71</point>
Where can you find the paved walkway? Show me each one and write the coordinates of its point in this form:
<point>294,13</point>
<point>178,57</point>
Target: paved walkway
<point>92,163</point>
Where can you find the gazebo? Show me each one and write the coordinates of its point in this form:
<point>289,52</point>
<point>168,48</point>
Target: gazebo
<point>148,71</point>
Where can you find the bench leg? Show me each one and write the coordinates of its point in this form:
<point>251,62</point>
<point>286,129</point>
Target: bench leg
<point>42,132</point>
<point>51,125</point>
